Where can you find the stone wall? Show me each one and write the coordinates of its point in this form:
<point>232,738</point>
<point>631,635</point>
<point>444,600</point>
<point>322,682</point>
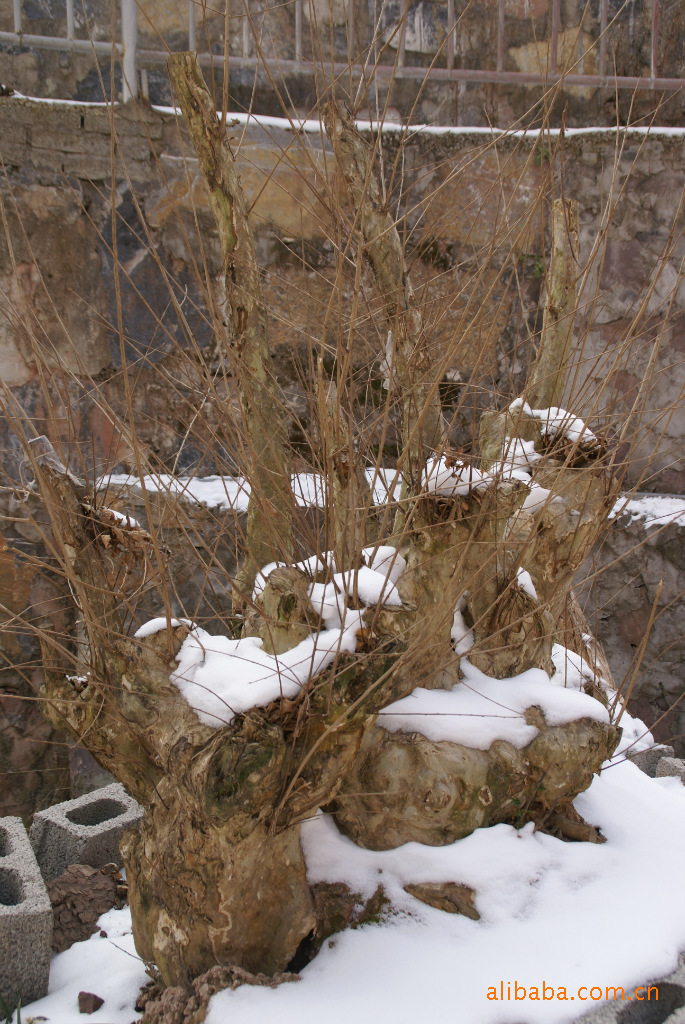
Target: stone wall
<point>637,573</point>
<point>62,301</point>
<point>477,232</point>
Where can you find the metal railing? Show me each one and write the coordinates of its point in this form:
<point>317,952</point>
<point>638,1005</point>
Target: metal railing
<point>135,60</point>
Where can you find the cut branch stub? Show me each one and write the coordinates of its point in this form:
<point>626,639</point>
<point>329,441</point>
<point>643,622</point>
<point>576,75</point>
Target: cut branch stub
<point>546,385</point>
<point>269,526</point>
<point>422,421</point>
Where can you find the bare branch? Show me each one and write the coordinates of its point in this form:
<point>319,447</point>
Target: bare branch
<point>422,421</point>
<point>269,531</point>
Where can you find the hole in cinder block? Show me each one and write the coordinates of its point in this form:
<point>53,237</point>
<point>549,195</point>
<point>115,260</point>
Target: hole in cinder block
<point>96,813</point>
<point>11,889</point>
<point>5,845</point>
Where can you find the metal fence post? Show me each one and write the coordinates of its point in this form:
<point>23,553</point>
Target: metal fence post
<point>192,26</point>
<point>246,28</point>
<point>298,29</point>
<point>129,38</point>
<point>654,48</point>
<point>500,35</point>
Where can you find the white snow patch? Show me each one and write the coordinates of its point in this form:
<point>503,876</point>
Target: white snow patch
<point>518,403</point>
<point>385,483</point>
<point>462,636</point>
<point>330,599</point>
<point>516,461</point>
<point>228,492</point>
<point>526,584</point>
<point>480,710</point>
<point>158,624</point>
<point>111,968</point>
<point>651,510</point>
<point>519,454</point>
<point>311,566</point>
<point>213,491</point>
<point>571,671</point>
<point>121,517</point>
<point>386,560</point>
<point>315,127</point>
<point>221,678</point>
<point>556,421</point>
<point>560,912</point>
<point>536,498</point>
<point>450,478</point>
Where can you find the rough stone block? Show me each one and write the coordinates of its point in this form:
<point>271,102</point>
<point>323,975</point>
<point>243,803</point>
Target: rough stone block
<point>83,831</point>
<point>671,766</point>
<point>647,760</point>
<point>25,918</point>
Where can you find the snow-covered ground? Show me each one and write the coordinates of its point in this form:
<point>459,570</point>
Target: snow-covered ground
<point>558,921</point>
<point>575,917</point>
<point>561,924</point>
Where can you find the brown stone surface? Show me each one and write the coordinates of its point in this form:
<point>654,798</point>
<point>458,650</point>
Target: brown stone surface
<point>448,896</point>
<point>177,1005</point>
<point>79,897</point>
<point>618,604</point>
<point>88,1002</point>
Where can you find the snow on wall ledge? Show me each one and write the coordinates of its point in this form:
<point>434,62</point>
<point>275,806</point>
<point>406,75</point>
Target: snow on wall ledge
<point>315,127</point>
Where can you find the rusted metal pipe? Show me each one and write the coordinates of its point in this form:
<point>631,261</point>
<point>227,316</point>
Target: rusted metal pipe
<point>418,73</point>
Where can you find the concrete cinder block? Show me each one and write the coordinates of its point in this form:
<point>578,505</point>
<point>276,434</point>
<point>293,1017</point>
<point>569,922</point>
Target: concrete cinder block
<point>671,766</point>
<point>87,830</point>
<point>25,918</point>
<point>647,760</point>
